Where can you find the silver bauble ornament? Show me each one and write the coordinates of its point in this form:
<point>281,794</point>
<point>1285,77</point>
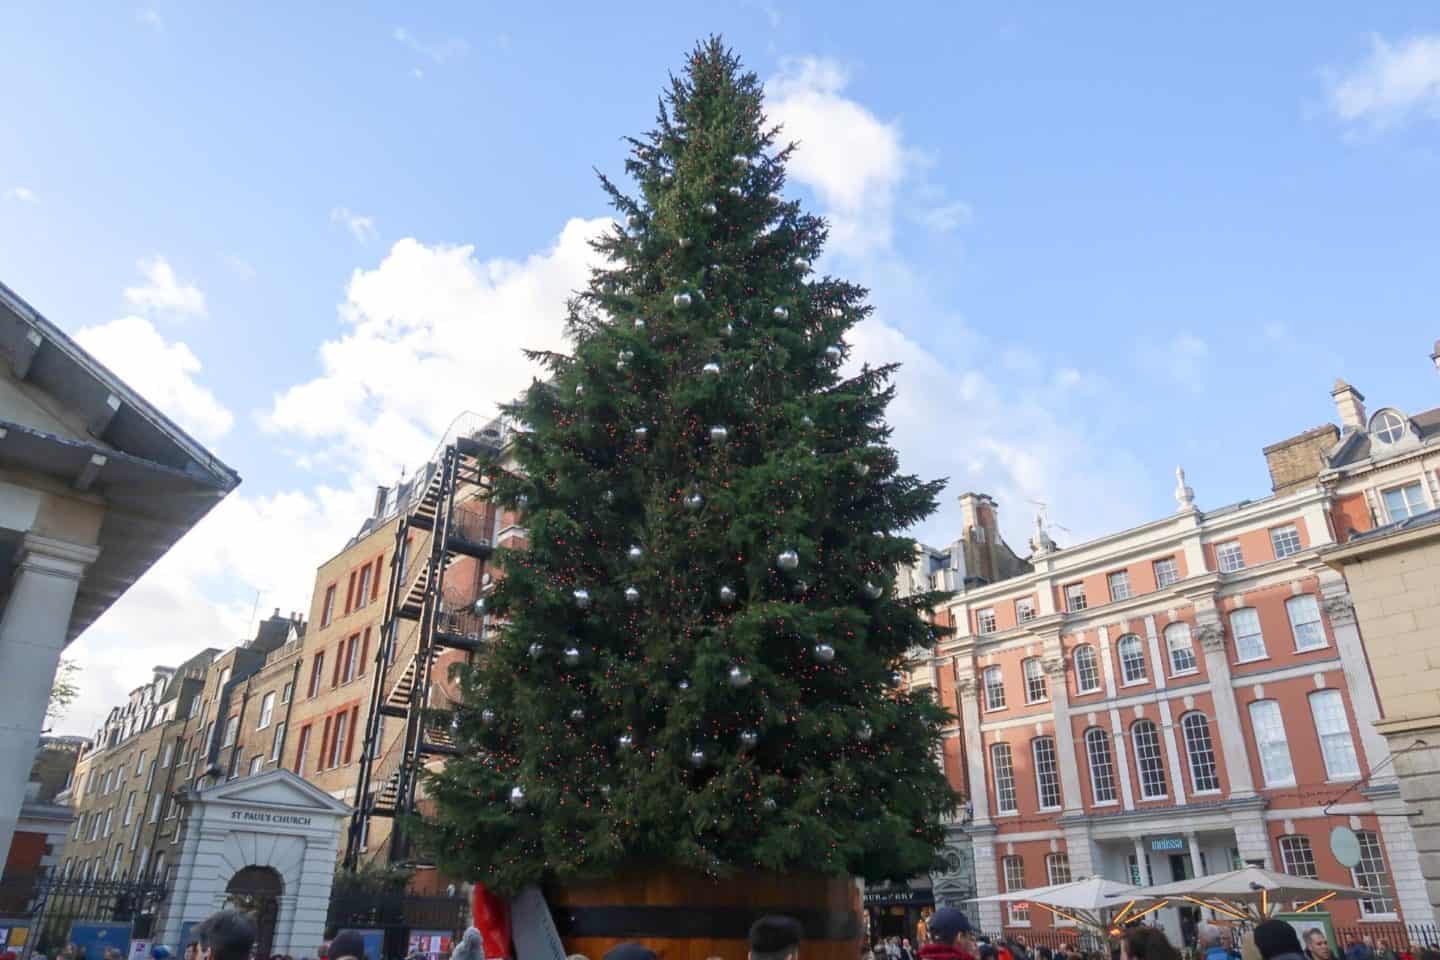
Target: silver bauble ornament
<point>571,655</point>
<point>769,804</point>
<point>736,192</point>
<point>801,263</point>
<point>701,295</point>
<point>487,716</point>
<point>800,587</point>
<point>740,160</point>
<point>517,797</point>
<point>788,560</point>
<point>780,313</point>
<point>728,330</point>
<point>632,595</point>
<point>667,178</point>
<point>709,209</point>
<point>865,733</point>
<point>738,676</point>
<point>635,553</point>
<point>805,421</point>
<point>681,300</point>
<point>873,590</point>
<point>697,757</point>
<point>823,652</point>
<point>694,500</point>
<point>579,389</point>
<point>639,323</point>
<point>727,594</point>
<point>714,268</point>
<point>605,790</point>
<point>712,368</point>
<point>582,598</point>
<point>479,606</point>
<point>896,678</point>
<point>625,741</point>
<point>607,497</point>
<point>683,684</point>
<point>862,468</point>
<point>748,738</point>
<point>641,432</point>
<point>577,714</point>
<point>537,650</point>
<point>719,434</point>
<point>833,353</point>
<point>684,242</point>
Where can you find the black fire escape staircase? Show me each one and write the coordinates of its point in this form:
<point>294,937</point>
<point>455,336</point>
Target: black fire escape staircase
<point>401,689</point>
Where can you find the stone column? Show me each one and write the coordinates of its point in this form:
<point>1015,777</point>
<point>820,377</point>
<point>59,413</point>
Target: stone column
<point>32,636</point>
<point>967,690</point>
<point>1081,850</point>
<point>1227,711</point>
<point>1054,666</point>
<point>987,880</point>
<point>1142,862</point>
<point>1340,611</point>
<point>1196,866</point>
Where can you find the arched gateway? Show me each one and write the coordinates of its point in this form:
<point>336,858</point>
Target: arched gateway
<point>265,845</point>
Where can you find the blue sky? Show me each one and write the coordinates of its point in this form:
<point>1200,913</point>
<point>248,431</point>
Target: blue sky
<point>1104,242</point>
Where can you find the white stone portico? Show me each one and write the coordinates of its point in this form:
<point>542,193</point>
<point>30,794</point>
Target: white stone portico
<point>275,820</point>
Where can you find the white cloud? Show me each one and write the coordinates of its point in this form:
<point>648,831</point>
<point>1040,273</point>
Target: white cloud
<point>430,332</point>
<point>150,17</point>
<point>449,48</point>
<point>21,195</point>
<point>848,156</point>
<point>362,228</point>
<point>1392,83</point>
<point>163,372</point>
<point>164,292</point>
<point>945,217</point>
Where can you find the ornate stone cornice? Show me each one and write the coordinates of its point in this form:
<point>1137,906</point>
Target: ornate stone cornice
<point>1339,608</point>
<point>1211,637</point>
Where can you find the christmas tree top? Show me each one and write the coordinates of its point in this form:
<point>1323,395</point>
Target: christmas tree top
<point>700,662</point>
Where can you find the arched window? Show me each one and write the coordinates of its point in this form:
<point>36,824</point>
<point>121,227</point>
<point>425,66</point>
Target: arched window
<point>1201,751</point>
<point>1102,765</point>
<point>1180,648</point>
<point>1148,760</point>
<point>1087,672</point>
<point>1132,658</point>
<point>1036,690</point>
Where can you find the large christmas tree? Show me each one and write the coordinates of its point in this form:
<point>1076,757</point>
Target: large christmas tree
<point>700,662</point>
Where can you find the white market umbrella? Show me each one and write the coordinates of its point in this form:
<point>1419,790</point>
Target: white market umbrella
<point>1083,901</point>
<point>1252,892</point>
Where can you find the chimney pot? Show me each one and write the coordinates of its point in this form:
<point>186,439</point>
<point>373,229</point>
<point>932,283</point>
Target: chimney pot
<point>1350,405</point>
<point>381,494</point>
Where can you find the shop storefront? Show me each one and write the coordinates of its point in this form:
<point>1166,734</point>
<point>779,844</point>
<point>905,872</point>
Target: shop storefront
<point>899,909</point>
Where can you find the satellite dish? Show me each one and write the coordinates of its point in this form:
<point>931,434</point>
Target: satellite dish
<point>1345,846</point>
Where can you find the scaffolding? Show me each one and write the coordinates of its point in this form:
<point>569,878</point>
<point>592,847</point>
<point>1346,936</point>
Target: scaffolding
<point>445,503</point>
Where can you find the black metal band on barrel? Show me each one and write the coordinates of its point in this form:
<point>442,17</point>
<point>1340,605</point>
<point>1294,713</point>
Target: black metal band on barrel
<point>696,923</point>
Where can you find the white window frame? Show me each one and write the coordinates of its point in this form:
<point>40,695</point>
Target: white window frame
<point>1149,759</point>
<point>1285,541</point>
<point>1371,874</point>
<point>1418,504</point>
<point>1303,609</point>
<point>278,745</point>
<point>129,817</point>
<point>286,692</point>
<point>1075,599</point>
<point>1047,773</point>
<point>1200,753</point>
<point>985,621</point>
<point>1019,912</point>
<point>140,763</point>
<point>257,763</point>
<point>1086,669</point>
<point>232,730</point>
<point>992,679</point>
<point>1102,768</point>
<point>1126,663</point>
<point>1267,723</point>
<point>1166,567</point>
<point>1297,856</point>
<point>1180,645</point>
<point>1229,557</point>
<point>1245,614</point>
<point>1120,578</point>
<point>1004,778</point>
<point>1037,689</point>
<point>1057,871</point>
<point>1024,610</point>
<point>267,710</point>
<point>1332,729</point>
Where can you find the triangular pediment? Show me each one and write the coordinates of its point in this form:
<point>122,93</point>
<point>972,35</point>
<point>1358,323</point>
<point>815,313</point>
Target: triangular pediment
<point>277,788</point>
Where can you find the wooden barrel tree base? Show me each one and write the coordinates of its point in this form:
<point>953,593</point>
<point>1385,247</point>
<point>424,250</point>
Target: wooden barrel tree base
<point>685,915</point>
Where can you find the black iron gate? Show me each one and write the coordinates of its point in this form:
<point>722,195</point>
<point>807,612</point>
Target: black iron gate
<point>58,902</point>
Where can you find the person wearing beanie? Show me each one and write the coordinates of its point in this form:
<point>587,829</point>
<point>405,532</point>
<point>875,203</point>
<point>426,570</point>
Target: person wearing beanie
<point>630,951</point>
<point>951,936</point>
<point>775,938</point>
<point>1276,939</point>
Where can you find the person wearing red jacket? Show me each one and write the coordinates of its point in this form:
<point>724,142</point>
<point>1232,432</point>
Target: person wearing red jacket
<point>951,937</point>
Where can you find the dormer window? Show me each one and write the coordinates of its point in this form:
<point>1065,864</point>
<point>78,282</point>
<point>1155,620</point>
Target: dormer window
<point>1387,426</point>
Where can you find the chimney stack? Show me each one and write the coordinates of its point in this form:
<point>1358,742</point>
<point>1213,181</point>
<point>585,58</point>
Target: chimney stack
<point>1350,405</point>
<point>381,494</point>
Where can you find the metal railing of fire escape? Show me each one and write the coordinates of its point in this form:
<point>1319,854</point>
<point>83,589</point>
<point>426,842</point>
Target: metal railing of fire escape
<point>400,688</point>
